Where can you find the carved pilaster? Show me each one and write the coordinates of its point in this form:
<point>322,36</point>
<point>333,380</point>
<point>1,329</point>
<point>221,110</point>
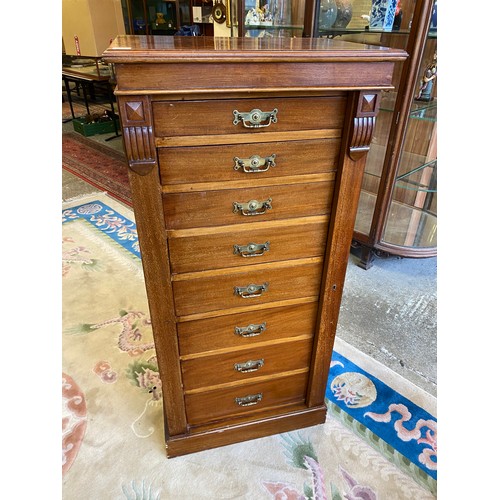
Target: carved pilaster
<point>137,130</point>
<point>364,124</point>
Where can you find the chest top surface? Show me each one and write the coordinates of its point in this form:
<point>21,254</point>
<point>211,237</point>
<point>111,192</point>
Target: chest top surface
<point>137,48</point>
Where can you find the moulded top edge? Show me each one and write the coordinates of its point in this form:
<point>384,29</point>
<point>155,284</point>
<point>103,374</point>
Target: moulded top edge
<point>141,48</point>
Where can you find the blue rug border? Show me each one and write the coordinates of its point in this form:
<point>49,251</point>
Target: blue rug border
<point>386,395</point>
<point>108,220</point>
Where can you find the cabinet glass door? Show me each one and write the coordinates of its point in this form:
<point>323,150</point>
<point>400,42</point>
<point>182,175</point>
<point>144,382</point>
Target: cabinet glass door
<point>412,216</point>
<point>150,17</point>
<point>162,17</point>
<point>273,18</point>
<point>365,218</point>
<point>397,212</point>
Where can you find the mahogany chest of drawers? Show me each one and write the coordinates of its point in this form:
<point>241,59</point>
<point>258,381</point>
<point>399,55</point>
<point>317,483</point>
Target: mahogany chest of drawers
<point>245,160</point>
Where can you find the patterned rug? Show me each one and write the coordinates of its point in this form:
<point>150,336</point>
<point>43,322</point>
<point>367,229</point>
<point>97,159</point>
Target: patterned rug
<point>379,440</point>
<point>97,164</point>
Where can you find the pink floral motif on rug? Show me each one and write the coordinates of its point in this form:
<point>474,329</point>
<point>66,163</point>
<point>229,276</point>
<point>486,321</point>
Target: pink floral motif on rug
<point>74,421</point>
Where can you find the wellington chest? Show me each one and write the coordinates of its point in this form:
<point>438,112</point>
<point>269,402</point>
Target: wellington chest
<point>245,160</point>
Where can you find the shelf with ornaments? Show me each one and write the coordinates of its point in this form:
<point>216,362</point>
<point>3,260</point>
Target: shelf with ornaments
<point>272,18</point>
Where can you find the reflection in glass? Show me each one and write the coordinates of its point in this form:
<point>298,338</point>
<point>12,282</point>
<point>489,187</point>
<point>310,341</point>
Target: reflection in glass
<point>273,18</point>
<point>327,14</point>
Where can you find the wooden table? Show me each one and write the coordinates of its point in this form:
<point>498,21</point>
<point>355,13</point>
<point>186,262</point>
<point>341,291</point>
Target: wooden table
<point>88,77</point>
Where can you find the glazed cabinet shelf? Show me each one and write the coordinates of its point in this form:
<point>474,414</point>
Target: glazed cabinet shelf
<point>397,212</point>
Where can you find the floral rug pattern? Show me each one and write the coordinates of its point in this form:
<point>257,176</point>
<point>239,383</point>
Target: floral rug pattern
<point>395,419</point>
<point>375,444</point>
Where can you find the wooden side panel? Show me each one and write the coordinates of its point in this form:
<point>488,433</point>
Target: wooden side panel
<point>145,186</point>
<point>361,109</point>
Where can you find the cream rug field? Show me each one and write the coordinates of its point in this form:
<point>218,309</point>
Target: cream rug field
<point>379,440</point>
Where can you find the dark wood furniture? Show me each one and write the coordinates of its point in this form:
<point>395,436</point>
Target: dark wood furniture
<point>245,160</point>
<point>90,78</point>
<point>140,16</point>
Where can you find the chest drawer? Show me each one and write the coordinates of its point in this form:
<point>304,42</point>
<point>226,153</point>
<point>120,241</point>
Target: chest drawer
<point>242,366</point>
<point>214,248</point>
<point>239,331</point>
<point>225,290</point>
<point>243,161</point>
<point>245,400</point>
<point>234,116</point>
<point>233,206</point>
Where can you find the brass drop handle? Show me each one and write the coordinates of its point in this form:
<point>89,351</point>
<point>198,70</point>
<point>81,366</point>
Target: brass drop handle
<point>250,330</point>
<point>254,164</point>
<point>249,366</point>
<point>253,207</point>
<point>251,291</point>
<point>251,399</point>
<point>252,249</point>
<point>255,118</point>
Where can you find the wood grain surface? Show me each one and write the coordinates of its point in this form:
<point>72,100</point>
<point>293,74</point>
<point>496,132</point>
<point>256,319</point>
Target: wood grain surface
<point>216,208</point>
<point>218,334</point>
<point>179,95</point>
<point>215,163</point>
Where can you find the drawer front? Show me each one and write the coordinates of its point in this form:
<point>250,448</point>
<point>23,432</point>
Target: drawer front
<point>288,240</point>
<point>244,365</point>
<point>248,288</point>
<point>233,206</point>
<point>246,399</point>
<point>247,161</point>
<point>239,331</point>
<point>183,118</point>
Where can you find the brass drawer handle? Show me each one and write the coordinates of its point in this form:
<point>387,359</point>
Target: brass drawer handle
<point>251,399</point>
<point>252,249</point>
<point>253,207</point>
<point>250,291</point>
<point>254,164</point>
<point>255,118</point>
<point>249,366</point>
<point>250,330</point>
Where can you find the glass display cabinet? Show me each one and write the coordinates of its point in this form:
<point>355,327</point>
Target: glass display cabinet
<point>397,212</point>
<point>201,17</point>
<point>150,17</point>
<point>271,18</point>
